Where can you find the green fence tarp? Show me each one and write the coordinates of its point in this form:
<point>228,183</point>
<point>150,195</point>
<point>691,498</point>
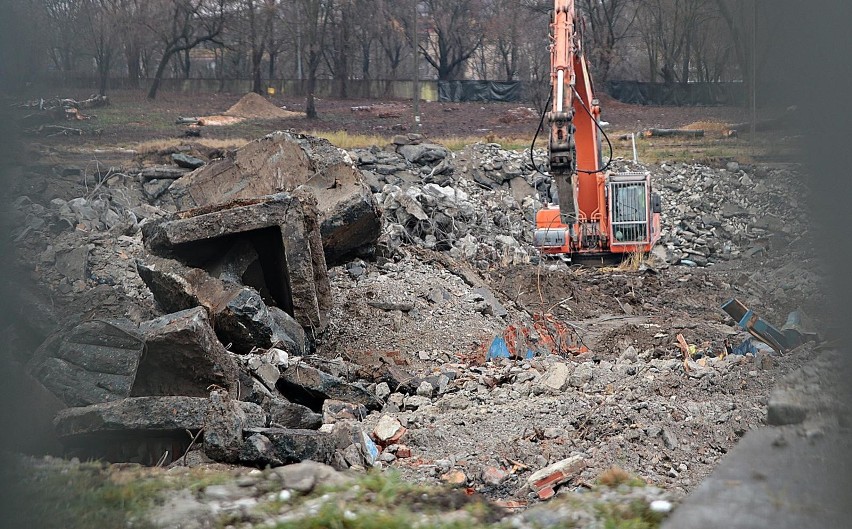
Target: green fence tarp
<point>460,91</point>
<point>676,94</point>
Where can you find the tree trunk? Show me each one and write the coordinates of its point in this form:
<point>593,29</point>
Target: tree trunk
<point>257,81</point>
<point>187,65</point>
<point>103,74</point>
<point>273,56</point>
<point>161,68</point>
<point>131,54</point>
<point>310,107</point>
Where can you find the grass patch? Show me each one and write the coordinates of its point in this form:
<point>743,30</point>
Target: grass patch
<point>634,515</point>
<point>154,146</point>
<point>633,262</point>
<point>347,140</point>
<point>88,495</point>
<point>710,149</point>
<point>385,500</point>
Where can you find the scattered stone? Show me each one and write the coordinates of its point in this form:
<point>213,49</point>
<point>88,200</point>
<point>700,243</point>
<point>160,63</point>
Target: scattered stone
<point>309,386</point>
<point>304,476</point>
<point>556,377</point>
<point>494,476</point>
<point>388,431</point>
<point>454,477</point>
<point>382,390</point>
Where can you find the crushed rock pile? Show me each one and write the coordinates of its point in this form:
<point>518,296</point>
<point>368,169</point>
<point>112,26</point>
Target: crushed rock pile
<point>480,203</point>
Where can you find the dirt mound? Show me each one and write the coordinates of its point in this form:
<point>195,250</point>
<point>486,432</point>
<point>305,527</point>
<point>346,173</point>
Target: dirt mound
<point>254,106</point>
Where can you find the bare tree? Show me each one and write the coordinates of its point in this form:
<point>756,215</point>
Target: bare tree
<point>181,25</point>
<point>337,54</point>
<point>610,22</point>
<point>457,31</point>
<point>667,28</point>
<point>313,20</point>
<point>63,20</point>
<point>393,37</point>
<point>258,17</point>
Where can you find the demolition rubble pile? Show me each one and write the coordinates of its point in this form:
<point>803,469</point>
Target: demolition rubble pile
<point>480,204</point>
<point>221,301</point>
<point>291,301</point>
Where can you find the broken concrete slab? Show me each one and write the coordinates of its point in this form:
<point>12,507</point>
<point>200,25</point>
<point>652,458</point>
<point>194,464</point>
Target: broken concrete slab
<point>183,357</point>
<point>242,318</point>
<point>163,172</point>
<point>90,363</point>
<point>282,161</point>
<point>284,232</point>
<point>309,386</point>
<point>144,414</point>
<point>186,161</point>
<point>495,308</point>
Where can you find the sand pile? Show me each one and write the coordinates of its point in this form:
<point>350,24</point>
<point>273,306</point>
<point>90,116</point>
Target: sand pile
<point>255,106</point>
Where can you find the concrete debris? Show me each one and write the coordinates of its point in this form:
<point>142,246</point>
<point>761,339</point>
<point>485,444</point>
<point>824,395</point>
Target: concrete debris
<point>388,431</point>
<point>183,357</point>
<point>545,481</point>
<point>186,161</point>
<point>242,318</point>
<point>141,429</point>
<point>90,363</point>
<point>285,414</point>
<point>303,477</point>
<point>296,445</point>
<point>336,410</point>
<point>283,161</point>
<point>309,386</point>
<point>223,428</point>
<point>283,230</point>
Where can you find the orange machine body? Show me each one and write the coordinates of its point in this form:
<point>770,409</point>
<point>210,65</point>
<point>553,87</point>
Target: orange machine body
<point>599,213</point>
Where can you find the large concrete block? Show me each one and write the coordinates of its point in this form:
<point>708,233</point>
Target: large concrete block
<point>183,357</point>
<point>282,230</point>
<point>90,363</point>
<point>349,217</point>
<point>240,315</point>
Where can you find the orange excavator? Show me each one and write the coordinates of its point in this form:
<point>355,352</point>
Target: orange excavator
<point>600,214</point>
